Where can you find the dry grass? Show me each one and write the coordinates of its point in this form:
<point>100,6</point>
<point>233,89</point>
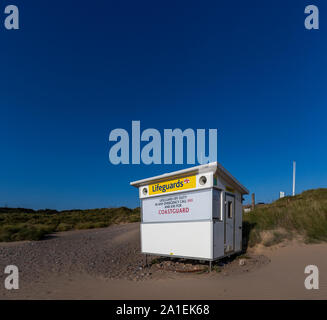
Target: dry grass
<point>27,224</point>
<point>304,215</point>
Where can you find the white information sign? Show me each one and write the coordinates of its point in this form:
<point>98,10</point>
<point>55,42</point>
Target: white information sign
<point>185,206</point>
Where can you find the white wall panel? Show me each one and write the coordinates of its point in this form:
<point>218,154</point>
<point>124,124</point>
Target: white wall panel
<point>218,239</point>
<point>238,224</point>
<point>188,239</point>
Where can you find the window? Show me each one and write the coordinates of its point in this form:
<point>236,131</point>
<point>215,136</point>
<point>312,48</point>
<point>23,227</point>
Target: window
<point>230,209</point>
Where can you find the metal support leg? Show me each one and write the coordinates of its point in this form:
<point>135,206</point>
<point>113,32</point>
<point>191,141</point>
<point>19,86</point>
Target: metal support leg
<point>146,260</point>
<point>210,265</point>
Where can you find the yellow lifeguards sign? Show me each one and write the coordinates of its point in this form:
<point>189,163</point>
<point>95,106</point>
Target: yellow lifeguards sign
<point>172,185</point>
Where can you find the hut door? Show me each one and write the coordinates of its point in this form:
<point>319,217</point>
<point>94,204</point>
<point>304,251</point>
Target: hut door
<point>229,223</point>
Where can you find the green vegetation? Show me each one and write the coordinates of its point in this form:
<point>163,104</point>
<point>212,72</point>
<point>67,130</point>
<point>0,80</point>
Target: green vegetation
<point>27,224</point>
<point>303,215</point>
<point>215,268</point>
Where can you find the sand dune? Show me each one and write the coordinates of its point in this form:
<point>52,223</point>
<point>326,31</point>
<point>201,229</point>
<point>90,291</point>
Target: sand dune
<point>282,278</point>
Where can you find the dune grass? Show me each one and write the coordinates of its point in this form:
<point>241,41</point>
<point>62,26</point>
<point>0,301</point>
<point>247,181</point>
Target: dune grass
<point>26,224</point>
<point>304,215</point>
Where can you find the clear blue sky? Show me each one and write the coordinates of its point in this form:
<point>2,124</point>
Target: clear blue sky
<point>77,70</point>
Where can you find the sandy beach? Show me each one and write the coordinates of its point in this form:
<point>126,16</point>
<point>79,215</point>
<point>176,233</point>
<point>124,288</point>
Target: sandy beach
<point>107,264</point>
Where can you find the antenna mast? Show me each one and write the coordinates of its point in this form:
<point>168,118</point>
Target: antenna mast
<point>294,171</point>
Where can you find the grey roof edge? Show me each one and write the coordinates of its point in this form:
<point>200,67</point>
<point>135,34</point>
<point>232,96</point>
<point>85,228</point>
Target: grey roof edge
<point>209,167</point>
<point>228,175</point>
<point>203,168</point>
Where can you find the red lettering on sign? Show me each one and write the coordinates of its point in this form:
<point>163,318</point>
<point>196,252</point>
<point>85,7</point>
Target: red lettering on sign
<point>172,211</point>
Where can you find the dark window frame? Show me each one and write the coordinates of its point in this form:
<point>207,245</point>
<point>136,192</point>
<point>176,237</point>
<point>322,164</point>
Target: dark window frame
<point>230,209</point>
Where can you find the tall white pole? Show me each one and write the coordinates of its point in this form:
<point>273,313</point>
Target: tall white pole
<point>294,171</point>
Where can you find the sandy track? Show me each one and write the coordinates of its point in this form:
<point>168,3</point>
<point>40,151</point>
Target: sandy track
<point>100,264</point>
<point>110,252</point>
